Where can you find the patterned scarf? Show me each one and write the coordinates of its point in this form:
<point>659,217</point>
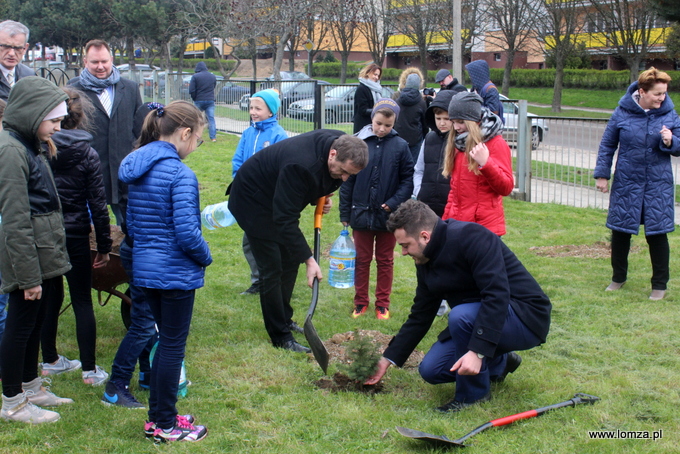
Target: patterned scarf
<point>491,126</point>
<point>376,88</point>
<point>92,83</point>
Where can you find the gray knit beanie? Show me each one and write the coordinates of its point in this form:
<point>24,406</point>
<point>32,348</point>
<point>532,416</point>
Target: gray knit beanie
<point>465,106</point>
<point>412,81</point>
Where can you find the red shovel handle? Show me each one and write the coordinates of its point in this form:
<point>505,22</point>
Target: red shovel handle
<point>512,418</point>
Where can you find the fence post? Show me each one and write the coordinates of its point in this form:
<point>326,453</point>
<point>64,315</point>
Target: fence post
<point>524,152</point>
<point>319,120</point>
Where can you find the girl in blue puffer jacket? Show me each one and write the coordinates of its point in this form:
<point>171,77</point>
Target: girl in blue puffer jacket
<point>169,253</point>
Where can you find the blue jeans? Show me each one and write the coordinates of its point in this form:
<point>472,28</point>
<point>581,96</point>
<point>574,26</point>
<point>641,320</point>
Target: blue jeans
<point>435,367</point>
<point>172,311</point>
<point>209,108</point>
<point>141,335</point>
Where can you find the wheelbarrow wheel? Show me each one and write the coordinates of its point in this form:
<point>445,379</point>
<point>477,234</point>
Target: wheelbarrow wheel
<point>125,310</point>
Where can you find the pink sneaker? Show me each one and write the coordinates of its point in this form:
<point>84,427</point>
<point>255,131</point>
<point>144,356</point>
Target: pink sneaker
<point>150,427</point>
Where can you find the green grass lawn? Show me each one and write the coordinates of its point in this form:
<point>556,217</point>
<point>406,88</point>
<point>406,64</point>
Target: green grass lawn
<point>256,399</point>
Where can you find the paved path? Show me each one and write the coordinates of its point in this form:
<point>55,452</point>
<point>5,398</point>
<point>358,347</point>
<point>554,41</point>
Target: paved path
<point>586,109</point>
<point>544,191</point>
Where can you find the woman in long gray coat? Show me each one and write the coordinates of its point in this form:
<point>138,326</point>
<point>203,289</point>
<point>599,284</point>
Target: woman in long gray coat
<point>646,130</point>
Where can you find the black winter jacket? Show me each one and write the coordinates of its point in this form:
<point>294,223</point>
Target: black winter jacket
<point>410,123</point>
<point>468,263</point>
<point>273,186</point>
<point>454,86</point>
<point>363,106</point>
<point>202,84</point>
<point>78,176</point>
<point>435,187</point>
<point>388,179</point>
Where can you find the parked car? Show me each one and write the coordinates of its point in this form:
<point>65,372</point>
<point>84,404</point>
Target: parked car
<point>290,92</point>
<point>290,75</point>
<point>230,92</point>
<point>339,105</point>
<point>297,92</point>
<point>145,69</point>
<point>539,127</point>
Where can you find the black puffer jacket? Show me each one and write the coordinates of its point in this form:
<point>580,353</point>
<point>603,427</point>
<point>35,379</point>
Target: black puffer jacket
<point>388,179</point>
<point>410,123</point>
<point>435,187</point>
<point>78,176</point>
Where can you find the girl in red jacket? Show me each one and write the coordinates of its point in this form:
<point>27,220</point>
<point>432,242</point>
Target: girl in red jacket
<point>479,164</point>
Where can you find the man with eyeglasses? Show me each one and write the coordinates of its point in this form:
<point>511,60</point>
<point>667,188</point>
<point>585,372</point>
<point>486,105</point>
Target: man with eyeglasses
<point>13,45</point>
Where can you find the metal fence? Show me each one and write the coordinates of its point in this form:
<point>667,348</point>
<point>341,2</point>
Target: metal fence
<point>560,168</point>
<point>306,104</point>
<point>554,157</point>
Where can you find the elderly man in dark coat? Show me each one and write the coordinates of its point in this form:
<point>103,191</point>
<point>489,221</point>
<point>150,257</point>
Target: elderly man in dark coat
<point>13,45</point>
<point>117,119</point>
<point>267,196</point>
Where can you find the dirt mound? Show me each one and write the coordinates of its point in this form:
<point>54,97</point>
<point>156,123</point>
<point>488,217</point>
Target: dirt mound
<point>336,347</point>
<point>599,249</point>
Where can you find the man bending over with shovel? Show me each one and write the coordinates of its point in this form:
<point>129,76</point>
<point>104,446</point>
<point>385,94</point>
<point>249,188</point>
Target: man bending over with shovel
<point>268,194</point>
<point>497,306</point>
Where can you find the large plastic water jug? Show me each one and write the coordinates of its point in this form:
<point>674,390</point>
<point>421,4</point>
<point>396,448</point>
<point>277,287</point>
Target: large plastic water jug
<point>218,215</point>
<point>343,259</point>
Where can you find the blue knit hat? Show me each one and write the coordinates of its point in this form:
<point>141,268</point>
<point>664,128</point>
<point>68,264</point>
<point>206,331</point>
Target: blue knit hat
<point>386,103</point>
<point>271,98</point>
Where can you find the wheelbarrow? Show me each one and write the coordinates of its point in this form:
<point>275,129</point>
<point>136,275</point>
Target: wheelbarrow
<point>107,280</point>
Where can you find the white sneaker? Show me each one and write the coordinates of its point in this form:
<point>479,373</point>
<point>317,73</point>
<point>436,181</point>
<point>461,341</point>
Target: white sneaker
<point>443,308</point>
<point>19,408</point>
<point>41,396</point>
<point>95,377</point>
<point>62,365</point>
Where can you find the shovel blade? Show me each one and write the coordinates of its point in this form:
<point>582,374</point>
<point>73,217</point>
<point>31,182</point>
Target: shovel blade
<point>436,440</point>
<point>318,349</point>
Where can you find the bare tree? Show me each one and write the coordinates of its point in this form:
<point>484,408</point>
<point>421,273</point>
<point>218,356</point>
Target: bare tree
<point>343,20</point>
<point>515,21</point>
<point>629,27</point>
<point>419,20</point>
<point>559,29</point>
<point>376,26</point>
<point>210,19</point>
<point>294,43</point>
<point>310,29</point>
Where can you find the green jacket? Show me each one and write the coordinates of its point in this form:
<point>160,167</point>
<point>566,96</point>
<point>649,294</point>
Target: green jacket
<point>32,236</point>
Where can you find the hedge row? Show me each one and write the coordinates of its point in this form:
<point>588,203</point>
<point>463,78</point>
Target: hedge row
<point>322,70</point>
<point>540,78</point>
<point>575,78</point>
<point>545,78</point>
<point>211,63</point>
